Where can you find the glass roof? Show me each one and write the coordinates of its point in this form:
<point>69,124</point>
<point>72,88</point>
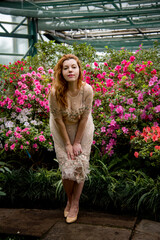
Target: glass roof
<point>112,23</point>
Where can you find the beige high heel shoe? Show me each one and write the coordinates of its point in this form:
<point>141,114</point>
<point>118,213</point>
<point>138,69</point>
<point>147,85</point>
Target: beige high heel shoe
<point>72,219</point>
<point>65,213</point>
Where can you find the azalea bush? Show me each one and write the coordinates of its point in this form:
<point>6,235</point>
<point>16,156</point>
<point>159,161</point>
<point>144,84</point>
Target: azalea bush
<point>126,98</point>
<point>25,112</point>
<point>147,145</point>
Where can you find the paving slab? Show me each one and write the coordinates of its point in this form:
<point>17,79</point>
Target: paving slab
<point>105,219</point>
<point>144,236</point>
<point>147,230</point>
<point>31,222</point>
<point>64,231</point>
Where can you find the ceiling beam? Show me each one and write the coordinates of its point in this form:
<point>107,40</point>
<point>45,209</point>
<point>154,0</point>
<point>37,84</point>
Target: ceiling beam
<point>94,25</point>
<point>110,43</point>
<point>79,14</point>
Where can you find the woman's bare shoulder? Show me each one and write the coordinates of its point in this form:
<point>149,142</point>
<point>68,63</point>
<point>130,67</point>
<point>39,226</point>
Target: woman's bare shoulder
<point>52,91</point>
<point>87,88</point>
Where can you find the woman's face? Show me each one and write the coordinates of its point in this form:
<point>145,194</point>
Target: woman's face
<point>70,70</point>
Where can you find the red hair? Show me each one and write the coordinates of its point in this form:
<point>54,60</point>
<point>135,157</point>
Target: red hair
<point>60,84</point>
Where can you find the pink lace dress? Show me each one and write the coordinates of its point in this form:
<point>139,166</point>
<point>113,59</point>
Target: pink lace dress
<point>78,107</point>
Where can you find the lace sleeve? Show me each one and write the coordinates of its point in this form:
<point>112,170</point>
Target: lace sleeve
<point>53,105</point>
<point>88,99</point>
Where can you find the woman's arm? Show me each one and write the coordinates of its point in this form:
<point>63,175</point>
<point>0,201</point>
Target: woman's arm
<point>56,113</point>
<point>65,137</point>
<point>77,149</point>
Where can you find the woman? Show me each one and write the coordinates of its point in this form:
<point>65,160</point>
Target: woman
<point>72,128</point>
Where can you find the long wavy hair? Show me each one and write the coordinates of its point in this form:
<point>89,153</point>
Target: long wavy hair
<point>60,84</point>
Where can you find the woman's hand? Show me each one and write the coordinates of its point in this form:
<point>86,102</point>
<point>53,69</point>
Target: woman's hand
<point>70,153</point>
<point>77,149</point>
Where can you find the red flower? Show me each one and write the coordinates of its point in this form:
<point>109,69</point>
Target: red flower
<point>136,154</point>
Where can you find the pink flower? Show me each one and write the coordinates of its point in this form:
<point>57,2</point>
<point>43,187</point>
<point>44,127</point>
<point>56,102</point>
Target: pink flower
<point>12,146</point>
<point>42,138</point>
<point>113,123</point>
<point>97,102</point>
<point>106,64</point>
<point>18,129</point>
<point>21,147</point>
<point>6,147</point>
<point>94,142</point>
<point>9,132</point>
<point>50,71</point>
<point>111,105</point>
<point>157,109</point>
<point>132,109</point>
<point>98,89</point>
<point>40,69</point>
<point>35,145</point>
<point>130,101</point>
<point>103,129</point>
<point>132,58</point>
<point>140,97</point>
<point>124,62</point>
<point>125,130</point>
<point>33,73</point>
<point>111,74</point>
<point>117,68</point>
<point>95,64</point>
<point>87,65</point>
<point>18,109</point>
<point>119,109</point>
<point>109,82</point>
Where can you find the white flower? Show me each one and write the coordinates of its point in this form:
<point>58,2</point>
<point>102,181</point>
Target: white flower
<point>34,122</point>
<point>12,139</point>
<point>26,124</point>
<point>9,124</point>
<point>2,127</point>
<point>13,115</point>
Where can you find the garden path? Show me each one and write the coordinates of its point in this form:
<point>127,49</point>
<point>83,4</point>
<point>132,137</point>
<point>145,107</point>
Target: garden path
<point>50,225</point>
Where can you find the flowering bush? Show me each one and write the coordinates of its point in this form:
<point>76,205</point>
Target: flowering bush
<point>147,145</point>
<point>24,110</point>
<point>126,98</point>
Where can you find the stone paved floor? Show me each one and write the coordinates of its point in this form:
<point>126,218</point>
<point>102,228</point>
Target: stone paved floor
<point>50,225</point>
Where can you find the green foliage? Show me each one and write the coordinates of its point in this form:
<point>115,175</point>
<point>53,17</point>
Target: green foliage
<point>107,189</point>
<point>16,237</point>
<point>28,186</point>
<point>116,56</point>
<point>4,168</point>
<point>48,54</point>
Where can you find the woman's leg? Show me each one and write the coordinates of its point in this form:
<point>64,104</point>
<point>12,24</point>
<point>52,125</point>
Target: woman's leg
<point>77,190</point>
<point>68,187</point>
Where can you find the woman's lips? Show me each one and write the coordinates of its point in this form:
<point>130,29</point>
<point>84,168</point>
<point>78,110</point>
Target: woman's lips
<point>71,75</point>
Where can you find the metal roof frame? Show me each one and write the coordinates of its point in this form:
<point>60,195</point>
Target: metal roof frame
<point>112,23</point>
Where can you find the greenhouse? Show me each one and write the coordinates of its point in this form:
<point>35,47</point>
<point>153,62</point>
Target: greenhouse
<point>79,119</point>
